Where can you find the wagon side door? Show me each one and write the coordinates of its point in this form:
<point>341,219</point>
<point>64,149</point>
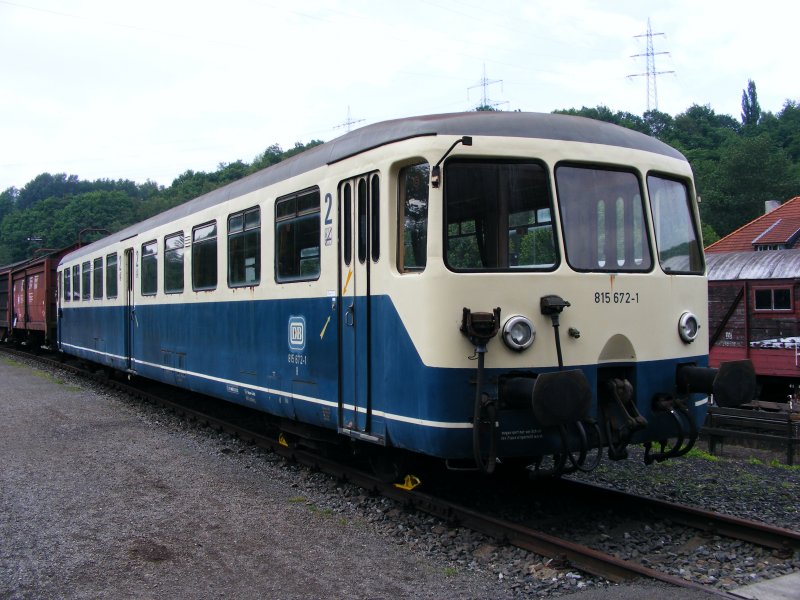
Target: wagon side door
<point>129,314</point>
<point>355,356</point>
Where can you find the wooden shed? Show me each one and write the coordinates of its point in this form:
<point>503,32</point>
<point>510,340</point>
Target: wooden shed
<point>753,314</point>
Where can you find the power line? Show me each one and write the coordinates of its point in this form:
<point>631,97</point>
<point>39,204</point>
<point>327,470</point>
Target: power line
<point>651,73</point>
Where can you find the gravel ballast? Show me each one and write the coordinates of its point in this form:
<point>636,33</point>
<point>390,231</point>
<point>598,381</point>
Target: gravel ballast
<point>102,496</point>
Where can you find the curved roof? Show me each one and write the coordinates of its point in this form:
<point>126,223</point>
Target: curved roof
<point>769,264</point>
<point>479,123</point>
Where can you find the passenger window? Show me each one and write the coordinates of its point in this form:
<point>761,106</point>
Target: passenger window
<point>111,276</point>
<point>97,275</point>
<point>149,268</point>
<point>86,279</point>
<point>244,248</point>
<point>173,263</point>
<point>67,289</point>
<point>297,233</point>
<point>204,257</point>
<point>412,254</point>
<point>76,283</point>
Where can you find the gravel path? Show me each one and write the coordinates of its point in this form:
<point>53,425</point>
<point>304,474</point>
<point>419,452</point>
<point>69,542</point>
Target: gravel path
<point>101,496</point>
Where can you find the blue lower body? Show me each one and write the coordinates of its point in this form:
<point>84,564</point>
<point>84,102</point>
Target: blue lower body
<point>290,359</point>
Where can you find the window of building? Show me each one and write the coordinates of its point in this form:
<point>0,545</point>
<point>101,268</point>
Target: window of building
<point>97,279</point>
<point>773,299</point>
<point>297,234</point>
<point>149,280</point>
<point>111,275</point>
<point>412,251</point>
<point>86,280</point>
<point>76,282</point>
<point>244,248</point>
<point>173,263</point>
<point>497,216</point>
<point>204,257</point>
<point>66,287</point>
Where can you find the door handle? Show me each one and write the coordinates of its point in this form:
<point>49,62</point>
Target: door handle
<point>350,315</point>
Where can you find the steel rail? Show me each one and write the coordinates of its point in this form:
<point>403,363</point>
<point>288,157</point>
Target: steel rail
<point>761,534</point>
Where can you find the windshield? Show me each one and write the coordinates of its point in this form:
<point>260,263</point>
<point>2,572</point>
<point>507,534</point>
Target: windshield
<point>678,244</point>
<point>498,216</point>
<point>602,219</point>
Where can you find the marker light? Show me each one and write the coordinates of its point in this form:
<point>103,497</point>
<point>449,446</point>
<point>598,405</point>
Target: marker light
<point>518,333</point>
<point>688,327</point>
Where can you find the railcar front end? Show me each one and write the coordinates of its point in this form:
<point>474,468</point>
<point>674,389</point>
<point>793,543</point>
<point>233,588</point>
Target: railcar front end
<point>555,298</point>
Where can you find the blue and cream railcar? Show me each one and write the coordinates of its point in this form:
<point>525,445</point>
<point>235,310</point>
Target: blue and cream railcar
<point>479,286</point>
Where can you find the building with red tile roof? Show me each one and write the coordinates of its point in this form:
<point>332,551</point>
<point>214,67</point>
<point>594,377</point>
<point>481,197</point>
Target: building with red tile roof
<point>775,230</point>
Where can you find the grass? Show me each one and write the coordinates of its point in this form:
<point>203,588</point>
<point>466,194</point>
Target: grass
<point>702,455</point>
<point>450,571</point>
<point>325,512</point>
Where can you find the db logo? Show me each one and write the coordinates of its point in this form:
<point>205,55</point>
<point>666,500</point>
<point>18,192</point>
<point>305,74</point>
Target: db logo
<point>297,334</point>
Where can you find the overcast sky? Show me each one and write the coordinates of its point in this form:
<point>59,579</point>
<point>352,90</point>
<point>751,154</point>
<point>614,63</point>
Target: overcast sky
<point>149,89</point>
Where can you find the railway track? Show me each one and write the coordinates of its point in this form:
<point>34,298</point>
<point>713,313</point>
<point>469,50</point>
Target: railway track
<point>582,557</point>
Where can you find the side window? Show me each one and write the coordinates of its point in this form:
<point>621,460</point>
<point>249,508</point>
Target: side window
<point>149,268</point>
<point>297,233</point>
<point>67,289</point>
<point>86,279</point>
<point>204,257</point>
<point>111,275</point>
<point>173,263</point>
<point>97,276</point>
<point>76,282</point>
<point>244,248</point>
<point>412,253</point>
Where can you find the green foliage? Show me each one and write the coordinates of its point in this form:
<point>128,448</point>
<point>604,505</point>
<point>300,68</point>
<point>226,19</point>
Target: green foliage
<point>751,111</point>
<point>56,208</point>
<point>709,235</point>
<point>737,166</point>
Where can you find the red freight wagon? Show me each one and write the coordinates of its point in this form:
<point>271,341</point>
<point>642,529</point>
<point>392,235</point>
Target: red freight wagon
<point>32,299</point>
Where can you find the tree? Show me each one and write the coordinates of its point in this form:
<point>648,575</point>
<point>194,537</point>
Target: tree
<point>751,170</point>
<point>47,186</point>
<point>659,125</point>
<point>751,111</point>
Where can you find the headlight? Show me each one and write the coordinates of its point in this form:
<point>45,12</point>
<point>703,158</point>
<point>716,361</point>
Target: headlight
<point>688,327</point>
<point>518,333</point>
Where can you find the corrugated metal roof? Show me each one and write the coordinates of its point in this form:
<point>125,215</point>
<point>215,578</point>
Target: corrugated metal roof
<point>477,123</point>
<point>769,264</point>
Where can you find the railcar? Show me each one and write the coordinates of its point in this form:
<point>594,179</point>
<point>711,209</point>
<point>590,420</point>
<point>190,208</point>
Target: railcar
<point>484,288</point>
<point>28,299</point>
